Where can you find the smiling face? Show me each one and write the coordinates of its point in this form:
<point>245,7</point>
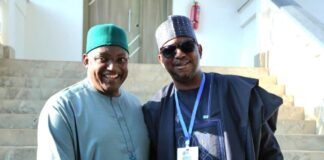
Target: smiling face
<point>183,64</point>
<point>107,68</point>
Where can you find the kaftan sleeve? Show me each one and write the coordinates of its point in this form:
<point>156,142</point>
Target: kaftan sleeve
<point>269,147</point>
<point>54,137</point>
<point>150,127</point>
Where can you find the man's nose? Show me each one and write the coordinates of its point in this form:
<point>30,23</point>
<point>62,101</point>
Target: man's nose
<point>110,65</point>
<point>179,53</point>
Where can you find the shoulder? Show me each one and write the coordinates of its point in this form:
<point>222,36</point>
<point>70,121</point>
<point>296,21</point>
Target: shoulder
<point>236,79</point>
<point>246,91</point>
<point>233,81</point>
<point>66,95</point>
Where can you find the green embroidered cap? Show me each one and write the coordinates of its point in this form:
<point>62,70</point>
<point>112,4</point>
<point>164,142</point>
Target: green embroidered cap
<point>106,35</point>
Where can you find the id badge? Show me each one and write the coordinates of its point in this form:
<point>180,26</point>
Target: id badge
<point>187,153</point>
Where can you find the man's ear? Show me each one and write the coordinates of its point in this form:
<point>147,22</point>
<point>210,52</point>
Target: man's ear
<point>200,50</point>
<point>160,58</point>
<point>85,60</point>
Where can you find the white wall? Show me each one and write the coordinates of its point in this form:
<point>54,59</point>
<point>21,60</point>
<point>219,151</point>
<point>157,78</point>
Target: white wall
<point>3,7</point>
<point>297,58</point>
<point>219,31</point>
<point>46,30</point>
<point>314,7</point>
<point>52,30</point>
<point>249,22</point>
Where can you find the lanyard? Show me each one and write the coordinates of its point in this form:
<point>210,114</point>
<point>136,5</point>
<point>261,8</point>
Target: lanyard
<point>186,132</point>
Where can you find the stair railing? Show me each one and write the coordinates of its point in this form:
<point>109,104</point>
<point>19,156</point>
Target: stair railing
<point>132,42</point>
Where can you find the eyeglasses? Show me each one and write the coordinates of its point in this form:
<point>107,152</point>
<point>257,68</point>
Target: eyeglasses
<point>185,46</point>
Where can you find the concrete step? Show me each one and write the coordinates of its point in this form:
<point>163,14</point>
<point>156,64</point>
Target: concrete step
<point>36,82</point>
<point>26,93</point>
<point>21,106</point>
<point>308,142</point>
<point>39,72</point>
<point>60,83</point>
<point>144,92</point>
<point>12,83</point>
<point>287,100</point>
<point>296,127</point>
<point>18,152</point>
<point>43,82</point>
<point>275,89</point>
<point>18,137</point>
<point>303,155</point>
<point>68,69</point>
<point>291,113</point>
<point>42,94</point>
<point>34,100</point>
<point>21,63</point>
<point>268,80</point>
<point>18,121</point>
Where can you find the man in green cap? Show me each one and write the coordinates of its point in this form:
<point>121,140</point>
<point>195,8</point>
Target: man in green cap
<point>94,118</point>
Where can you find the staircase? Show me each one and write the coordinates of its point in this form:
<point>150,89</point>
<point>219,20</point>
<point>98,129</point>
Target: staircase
<point>25,86</point>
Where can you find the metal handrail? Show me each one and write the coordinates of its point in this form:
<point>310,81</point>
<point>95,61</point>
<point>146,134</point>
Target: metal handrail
<point>132,42</point>
<point>243,5</point>
<point>135,51</point>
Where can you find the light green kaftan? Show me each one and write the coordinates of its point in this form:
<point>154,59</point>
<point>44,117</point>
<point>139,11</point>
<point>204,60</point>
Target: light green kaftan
<point>79,123</point>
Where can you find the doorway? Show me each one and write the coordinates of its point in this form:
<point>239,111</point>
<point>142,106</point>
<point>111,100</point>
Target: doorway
<point>139,18</point>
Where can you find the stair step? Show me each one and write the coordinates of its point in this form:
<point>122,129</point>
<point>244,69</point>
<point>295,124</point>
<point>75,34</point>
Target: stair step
<point>21,106</point>
<point>133,79</point>
<point>287,100</point>
<point>303,155</point>
<point>36,82</point>
<point>18,152</point>
<point>41,82</point>
<point>267,80</point>
<point>296,127</point>
<point>308,142</point>
<point>20,63</point>
<point>18,121</point>
<point>77,70</point>
<point>275,89</point>
<point>27,93</point>
<point>291,113</point>
<point>18,137</point>
<point>42,94</point>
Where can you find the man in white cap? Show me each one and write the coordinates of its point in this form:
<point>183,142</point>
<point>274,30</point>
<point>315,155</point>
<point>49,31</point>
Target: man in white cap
<point>207,115</point>
<point>95,119</point>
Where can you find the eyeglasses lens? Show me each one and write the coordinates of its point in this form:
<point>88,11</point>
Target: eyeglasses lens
<point>187,46</point>
<point>170,50</point>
